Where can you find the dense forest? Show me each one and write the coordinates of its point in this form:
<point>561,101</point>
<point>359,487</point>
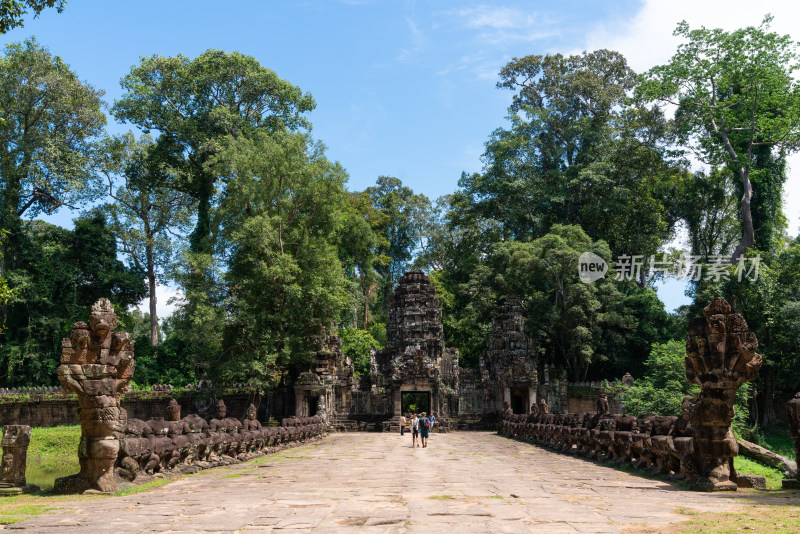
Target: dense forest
<point>221,190</point>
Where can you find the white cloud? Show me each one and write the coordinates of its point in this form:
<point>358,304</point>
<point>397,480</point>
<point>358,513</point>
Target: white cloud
<point>505,25</point>
<point>418,41</point>
<point>646,40</point>
<point>167,300</point>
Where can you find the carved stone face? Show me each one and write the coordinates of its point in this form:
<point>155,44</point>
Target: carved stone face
<point>251,412</point>
<point>222,411</point>
<point>102,319</point>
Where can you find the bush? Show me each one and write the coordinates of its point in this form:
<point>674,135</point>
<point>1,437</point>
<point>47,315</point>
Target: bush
<point>664,385</point>
<point>357,344</point>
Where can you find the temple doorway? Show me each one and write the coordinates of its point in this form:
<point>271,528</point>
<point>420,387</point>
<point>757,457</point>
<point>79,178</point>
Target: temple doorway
<point>313,402</point>
<point>519,400</point>
<point>415,402</point>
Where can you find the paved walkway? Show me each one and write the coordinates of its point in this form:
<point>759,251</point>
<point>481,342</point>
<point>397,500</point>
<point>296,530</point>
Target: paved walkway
<point>370,482</point>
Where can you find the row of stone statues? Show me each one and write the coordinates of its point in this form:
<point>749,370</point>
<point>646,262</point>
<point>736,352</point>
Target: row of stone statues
<point>699,445</point>
<point>660,444</point>
<point>191,443</point>
<point>97,364</point>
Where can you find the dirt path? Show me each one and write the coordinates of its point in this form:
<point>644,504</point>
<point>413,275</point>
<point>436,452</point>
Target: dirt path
<point>370,482</point>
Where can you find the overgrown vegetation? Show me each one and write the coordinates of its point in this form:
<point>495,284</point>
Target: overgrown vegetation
<point>233,201</point>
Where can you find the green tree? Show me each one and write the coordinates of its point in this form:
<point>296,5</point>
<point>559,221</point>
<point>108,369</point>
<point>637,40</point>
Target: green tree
<point>708,205</point>
<point>356,345</point>
<point>281,281</point>
<point>735,94</point>
<point>578,152</point>
<point>359,252</point>
<point>663,386</point>
<point>405,213</point>
<point>60,273</point>
<point>13,11</point>
<point>566,317</point>
<point>51,121</point>
<point>195,104</point>
<point>146,212</point>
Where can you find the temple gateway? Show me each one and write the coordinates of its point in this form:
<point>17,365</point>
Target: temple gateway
<point>416,372</point>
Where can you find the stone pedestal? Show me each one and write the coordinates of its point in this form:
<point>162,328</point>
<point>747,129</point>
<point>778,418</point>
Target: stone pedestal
<point>790,483</point>
<point>16,439</point>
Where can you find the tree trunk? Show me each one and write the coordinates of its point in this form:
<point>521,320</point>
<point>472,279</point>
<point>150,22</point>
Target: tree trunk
<point>11,223</point>
<point>151,278</point>
<point>768,417</point>
<point>767,457</point>
<point>748,232</point>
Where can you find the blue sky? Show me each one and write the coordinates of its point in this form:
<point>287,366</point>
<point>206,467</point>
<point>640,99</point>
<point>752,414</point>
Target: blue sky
<point>403,88</point>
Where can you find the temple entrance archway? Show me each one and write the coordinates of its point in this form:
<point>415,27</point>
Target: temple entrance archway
<point>415,402</point>
<point>520,400</point>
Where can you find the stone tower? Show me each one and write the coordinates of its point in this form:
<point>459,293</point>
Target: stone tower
<point>507,368</point>
<point>415,359</point>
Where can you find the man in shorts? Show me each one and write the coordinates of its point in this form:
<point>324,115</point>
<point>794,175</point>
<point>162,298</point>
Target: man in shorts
<point>424,429</point>
<point>414,430</point>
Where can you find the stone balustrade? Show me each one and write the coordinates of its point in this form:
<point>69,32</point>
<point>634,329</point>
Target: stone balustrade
<point>189,444</point>
<point>659,444</point>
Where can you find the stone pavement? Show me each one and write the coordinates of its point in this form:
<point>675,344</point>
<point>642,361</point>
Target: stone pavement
<point>463,482</point>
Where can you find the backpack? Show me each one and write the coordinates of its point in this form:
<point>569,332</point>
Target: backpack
<point>427,423</point>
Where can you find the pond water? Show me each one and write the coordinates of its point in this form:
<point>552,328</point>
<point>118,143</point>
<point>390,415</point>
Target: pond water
<point>44,477</point>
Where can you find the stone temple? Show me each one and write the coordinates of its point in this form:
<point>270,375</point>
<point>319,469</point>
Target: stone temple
<point>417,372</point>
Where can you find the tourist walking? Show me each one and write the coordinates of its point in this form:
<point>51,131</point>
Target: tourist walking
<point>424,429</point>
<point>402,425</point>
<point>414,430</point>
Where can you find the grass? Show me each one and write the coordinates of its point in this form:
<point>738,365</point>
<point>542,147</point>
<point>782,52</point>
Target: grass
<point>441,497</point>
<point>12,510</point>
<point>776,438</point>
<point>750,467</point>
<point>143,487</point>
<point>754,519</point>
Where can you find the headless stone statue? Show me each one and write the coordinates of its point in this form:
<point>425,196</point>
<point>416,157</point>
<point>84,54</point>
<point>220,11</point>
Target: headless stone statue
<point>16,439</point>
<point>602,404</point>
<point>543,406</point>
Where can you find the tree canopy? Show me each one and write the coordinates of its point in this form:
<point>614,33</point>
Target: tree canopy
<point>735,93</point>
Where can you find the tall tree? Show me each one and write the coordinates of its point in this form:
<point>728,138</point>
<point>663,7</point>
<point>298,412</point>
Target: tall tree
<point>712,223</point>
<point>51,121</point>
<point>146,213</point>
<point>359,244</point>
<point>566,317</point>
<point>194,104</point>
<point>281,281</point>
<point>578,151</point>
<point>735,93</point>
<point>404,212</point>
